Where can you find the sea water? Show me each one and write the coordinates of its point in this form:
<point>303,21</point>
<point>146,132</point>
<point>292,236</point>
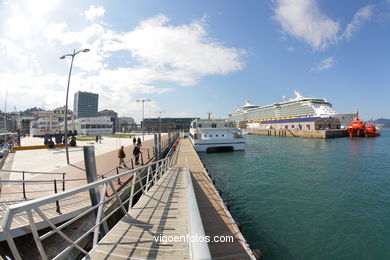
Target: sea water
<point>301,198</point>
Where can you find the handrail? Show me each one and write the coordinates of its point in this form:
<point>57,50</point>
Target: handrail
<point>154,171</point>
<point>42,181</point>
<point>133,157</point>
<point>198,249</point>
<point>32,172</point>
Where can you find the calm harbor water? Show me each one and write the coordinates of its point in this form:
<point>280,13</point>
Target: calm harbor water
<point>299,198</point>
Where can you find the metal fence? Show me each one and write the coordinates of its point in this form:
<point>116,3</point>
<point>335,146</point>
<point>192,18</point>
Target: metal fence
<point>144,177</point>
<point>59,184</point>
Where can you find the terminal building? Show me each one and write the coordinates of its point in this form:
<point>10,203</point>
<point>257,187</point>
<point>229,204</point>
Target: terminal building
<point>297,123</point>
<point>167,124</point>
<point>90,126</point>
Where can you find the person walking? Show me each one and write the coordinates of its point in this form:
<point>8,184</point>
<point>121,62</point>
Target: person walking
<point>139,142</point>
<point>134,141</point>
<point>136,153</point>
<point>121,156</point>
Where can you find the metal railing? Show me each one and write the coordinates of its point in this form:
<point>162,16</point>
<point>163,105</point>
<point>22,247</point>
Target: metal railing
<point>131,162</point>
<point>58,183</point>
<point>198,249</point>
<point>151,173</point>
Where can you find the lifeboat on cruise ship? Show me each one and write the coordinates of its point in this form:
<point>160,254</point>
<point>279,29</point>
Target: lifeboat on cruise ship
<point>356,128</point>
<point>371,131</point>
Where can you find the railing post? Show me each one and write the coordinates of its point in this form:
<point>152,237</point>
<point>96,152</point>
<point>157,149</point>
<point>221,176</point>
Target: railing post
<point>90,170</point>
<point>132,191</point>
<point>147,178</point>
<point>24,186</point>
<point>63,181</point>
<point>119,179</point>
<point>58,210</point>
<point>159,146</point>
<point>155,147</point>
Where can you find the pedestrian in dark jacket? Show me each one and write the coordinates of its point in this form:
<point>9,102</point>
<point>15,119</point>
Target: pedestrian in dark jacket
<point>134,141</point>
<point>139,142</point>
<point>121,156</point>
<point>136,153</point>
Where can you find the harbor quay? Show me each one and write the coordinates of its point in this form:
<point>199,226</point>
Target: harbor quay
<point>331,133</point>
<point>171,195</point>
<point>33,174</point>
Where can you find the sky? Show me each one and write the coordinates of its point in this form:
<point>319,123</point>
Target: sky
<point>193,57</point>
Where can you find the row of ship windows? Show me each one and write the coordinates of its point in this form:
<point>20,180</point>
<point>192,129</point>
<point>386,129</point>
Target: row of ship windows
<point>95,126</point>
<point>205,136</point>
<point>212,135</point>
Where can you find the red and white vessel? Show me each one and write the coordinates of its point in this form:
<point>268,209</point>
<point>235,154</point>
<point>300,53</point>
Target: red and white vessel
<point>357,127</point>
<point>371,131</point>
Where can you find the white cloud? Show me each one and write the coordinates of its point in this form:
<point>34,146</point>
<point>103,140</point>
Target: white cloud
<point>181,53</point>
<point>121,66</point>
<point>304,20</point>
<point>325,64</point>
<point>93,12</point>
<point>360,17</point>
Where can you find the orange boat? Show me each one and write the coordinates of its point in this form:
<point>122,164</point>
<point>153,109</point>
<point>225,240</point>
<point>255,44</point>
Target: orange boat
<point>371,131</point>
<point>357,127</point>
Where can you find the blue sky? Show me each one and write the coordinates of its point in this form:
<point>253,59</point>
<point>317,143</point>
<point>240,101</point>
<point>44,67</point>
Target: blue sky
<point>194,57</point>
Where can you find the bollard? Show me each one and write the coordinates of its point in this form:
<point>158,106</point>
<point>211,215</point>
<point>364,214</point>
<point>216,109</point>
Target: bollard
<point>132,163</point>
<point>148,154</point>
<point>227,205</point>
<point>257,254</point>
<point>90,171</point>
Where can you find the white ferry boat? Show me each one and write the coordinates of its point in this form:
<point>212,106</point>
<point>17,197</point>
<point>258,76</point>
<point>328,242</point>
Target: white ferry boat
<point>208,135</point>
<point>299,106</point>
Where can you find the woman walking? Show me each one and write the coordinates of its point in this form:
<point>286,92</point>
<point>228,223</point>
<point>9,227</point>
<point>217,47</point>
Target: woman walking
<point>121,156</point>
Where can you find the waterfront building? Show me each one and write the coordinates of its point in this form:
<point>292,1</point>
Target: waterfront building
<point>85,104</point>
<point>113,117</point>
<point>43,126</point>
<point>167,124</point>
<point>48,122</point>
<point>25,121</point>
<point>126,124</point>
<point>90,125</point>
<point>306,123</point>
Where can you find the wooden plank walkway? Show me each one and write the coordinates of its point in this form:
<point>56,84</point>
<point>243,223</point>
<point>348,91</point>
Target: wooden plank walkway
<point>216,219</point>
<point>160,211</point>
<point>12,193</point>
<point>163,211</point>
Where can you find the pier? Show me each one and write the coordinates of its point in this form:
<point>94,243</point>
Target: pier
<point>173,196</point>
<point>19,186</point>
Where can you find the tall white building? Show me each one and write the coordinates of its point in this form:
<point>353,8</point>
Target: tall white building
<point>90,125</point>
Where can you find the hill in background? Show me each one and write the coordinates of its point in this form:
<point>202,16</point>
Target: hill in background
<point>383,122</point>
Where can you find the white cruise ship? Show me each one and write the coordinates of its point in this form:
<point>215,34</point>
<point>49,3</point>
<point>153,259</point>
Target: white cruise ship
<point>299,106</point>
<point>208,135</point>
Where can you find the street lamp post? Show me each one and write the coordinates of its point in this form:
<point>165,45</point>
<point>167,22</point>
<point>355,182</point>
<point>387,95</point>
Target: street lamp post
<point>66,102</point>
<point>159,118</point>
<point>143,100</point>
